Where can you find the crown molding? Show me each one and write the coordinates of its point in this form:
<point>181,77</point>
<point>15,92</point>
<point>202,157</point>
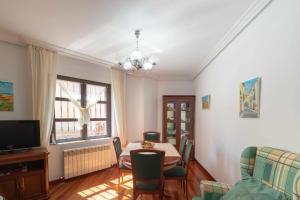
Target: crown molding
<point>251,13</point>
<point>70,53</point>
<point>20,40</point>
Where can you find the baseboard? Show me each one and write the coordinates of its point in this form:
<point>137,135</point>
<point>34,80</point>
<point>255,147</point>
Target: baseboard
<point>57,181</point>
<point>205,171</point>
<point>62,179</point>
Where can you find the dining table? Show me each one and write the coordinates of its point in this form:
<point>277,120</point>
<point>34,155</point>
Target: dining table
<point>172,156</point>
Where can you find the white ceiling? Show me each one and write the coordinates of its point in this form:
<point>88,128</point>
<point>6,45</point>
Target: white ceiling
<point>181,33</point>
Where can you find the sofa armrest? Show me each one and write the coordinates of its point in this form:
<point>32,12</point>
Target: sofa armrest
<point>211,190</point>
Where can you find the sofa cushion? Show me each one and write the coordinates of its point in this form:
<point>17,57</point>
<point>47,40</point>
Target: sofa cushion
<point>279,170</point>
<point>250,189</point>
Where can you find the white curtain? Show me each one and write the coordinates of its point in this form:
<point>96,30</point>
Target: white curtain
<point>43,64</point>
<point>118,78</point>
<point>84,117</point>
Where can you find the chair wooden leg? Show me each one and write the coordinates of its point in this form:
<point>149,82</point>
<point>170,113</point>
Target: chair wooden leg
<point>161,196</point>
<point>122,176</point>
<point>118,180</point>
<point>186,189</point>
<point>134,195</point>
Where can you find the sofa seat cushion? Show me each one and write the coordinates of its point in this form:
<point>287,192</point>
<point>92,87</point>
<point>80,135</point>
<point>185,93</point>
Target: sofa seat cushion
<point>250,189</point>
<point>176,171</point>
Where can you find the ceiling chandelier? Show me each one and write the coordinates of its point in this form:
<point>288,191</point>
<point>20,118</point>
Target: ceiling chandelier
<point>136,60</point>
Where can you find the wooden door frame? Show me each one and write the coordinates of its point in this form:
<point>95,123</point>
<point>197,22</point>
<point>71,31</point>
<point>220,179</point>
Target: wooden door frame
<point>177,99</point>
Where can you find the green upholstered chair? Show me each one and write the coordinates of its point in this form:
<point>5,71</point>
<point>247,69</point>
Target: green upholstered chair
<point>276,169</point>
<point>182,144</point>
<point>152,136</point>
<point>118,150</point>
<point>147,172</point>
<point>181,172</point>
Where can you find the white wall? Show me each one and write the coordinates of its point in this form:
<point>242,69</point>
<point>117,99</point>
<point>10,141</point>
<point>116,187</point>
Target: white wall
<point>141,106</point>
<point>269,47</point>
<point>14,68</point>
<point>80,69</point>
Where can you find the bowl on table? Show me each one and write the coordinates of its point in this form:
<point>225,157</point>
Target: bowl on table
<point>147,145</point>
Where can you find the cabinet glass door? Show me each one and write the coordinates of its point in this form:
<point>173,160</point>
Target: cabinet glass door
<point>185,119</point>
<point>171,123</point>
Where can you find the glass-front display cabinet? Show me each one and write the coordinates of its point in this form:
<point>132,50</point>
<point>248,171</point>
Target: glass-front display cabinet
<point>178,118</point>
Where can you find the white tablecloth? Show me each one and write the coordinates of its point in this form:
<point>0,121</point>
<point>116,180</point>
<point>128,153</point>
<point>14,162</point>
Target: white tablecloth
<point>170,150</point>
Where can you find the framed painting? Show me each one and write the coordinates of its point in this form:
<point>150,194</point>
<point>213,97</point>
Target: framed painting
<point>6,96</point>
<point>206,102</point>
<point>250,98</point>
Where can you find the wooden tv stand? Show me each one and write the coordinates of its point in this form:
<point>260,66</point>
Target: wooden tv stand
<point>24,175</point>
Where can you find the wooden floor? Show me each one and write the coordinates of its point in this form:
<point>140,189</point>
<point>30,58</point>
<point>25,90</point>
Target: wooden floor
<point>104,185</point>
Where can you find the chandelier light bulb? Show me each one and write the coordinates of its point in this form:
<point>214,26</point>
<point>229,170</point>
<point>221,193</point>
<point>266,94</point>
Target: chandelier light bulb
<point>127,65</point>
<point>136,55</point>
<point>147,66</point>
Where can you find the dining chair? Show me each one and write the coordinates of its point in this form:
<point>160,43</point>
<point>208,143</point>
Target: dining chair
<point>147,171</point>
<point>152,136</point>
<point>182,144</point>
<point>118,150</point>
<point>181,172</point>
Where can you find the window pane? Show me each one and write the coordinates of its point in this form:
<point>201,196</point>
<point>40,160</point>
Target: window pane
<point>102,110</point>
<point>97,128</point>
<point>95,93</point>
<point>98,111</point>
<point>73,89</point>
<point>67,130</point>
<point>57,109</point>
<point>64,108</point>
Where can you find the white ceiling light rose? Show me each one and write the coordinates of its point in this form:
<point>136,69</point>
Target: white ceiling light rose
<point>136,60</point>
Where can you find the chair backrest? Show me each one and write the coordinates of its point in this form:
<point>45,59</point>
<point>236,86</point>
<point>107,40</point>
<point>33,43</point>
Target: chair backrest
<point>183,140</point>
<point>152,136</point>
<point>118,147</point>
<point>278,169</point>
<point>187,153</point>
<point>147,165</point>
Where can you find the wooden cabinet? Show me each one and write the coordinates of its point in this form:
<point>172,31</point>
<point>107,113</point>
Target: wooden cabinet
<point>178,118</point>
<point>24,175</point>
<point>8,188</point>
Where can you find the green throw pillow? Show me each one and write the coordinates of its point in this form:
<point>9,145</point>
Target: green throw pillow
<point>252,189</point>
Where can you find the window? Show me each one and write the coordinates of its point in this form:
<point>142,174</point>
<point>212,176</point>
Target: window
<point>73,94</point>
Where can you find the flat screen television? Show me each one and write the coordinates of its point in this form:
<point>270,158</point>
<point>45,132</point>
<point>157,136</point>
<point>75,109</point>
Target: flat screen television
<point>19,134</point>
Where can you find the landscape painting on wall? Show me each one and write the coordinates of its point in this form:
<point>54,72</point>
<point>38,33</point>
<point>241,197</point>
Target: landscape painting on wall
<point>250,98</point>
<point>6,96</point>
<point>206,102</point>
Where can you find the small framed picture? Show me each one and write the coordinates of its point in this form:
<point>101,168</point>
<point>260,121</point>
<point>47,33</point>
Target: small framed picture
<point>6,96</point>
<point>205,102</point>
<point>250,98</point>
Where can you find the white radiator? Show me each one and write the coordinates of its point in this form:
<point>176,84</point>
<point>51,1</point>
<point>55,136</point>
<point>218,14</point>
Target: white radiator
<point>85,160</point>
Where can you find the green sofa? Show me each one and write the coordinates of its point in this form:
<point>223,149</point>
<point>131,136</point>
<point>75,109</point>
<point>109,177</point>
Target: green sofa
<point>274,169</point>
